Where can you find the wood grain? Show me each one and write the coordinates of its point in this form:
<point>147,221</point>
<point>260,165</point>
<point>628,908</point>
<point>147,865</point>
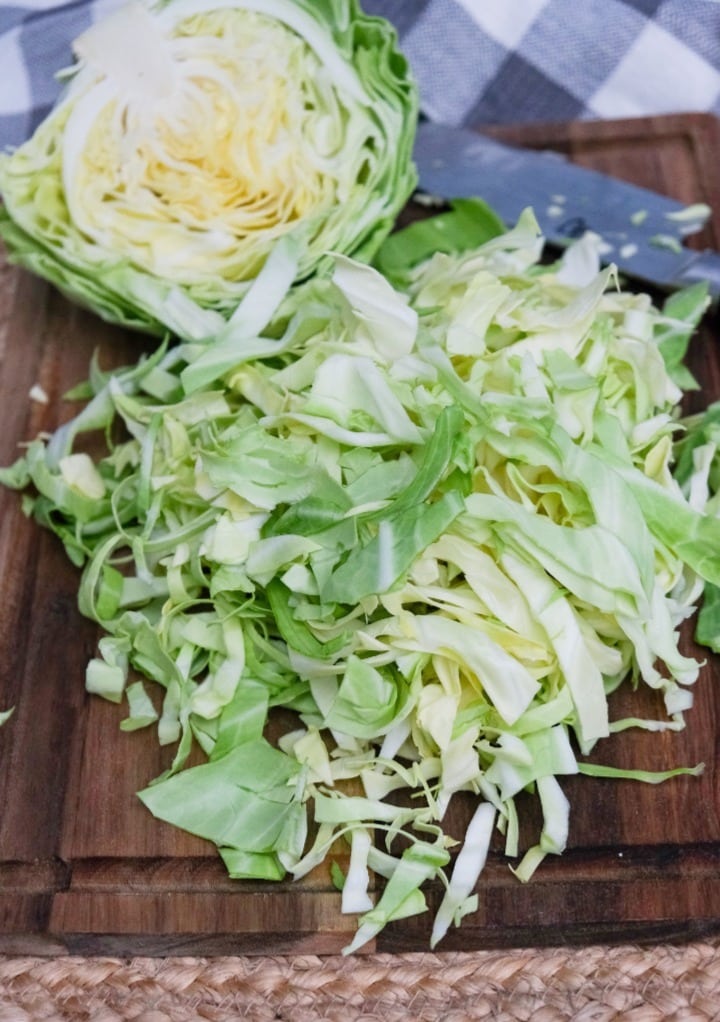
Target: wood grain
<point>84,868</point>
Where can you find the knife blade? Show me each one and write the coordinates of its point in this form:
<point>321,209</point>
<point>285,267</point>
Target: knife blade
<point>640,231</point>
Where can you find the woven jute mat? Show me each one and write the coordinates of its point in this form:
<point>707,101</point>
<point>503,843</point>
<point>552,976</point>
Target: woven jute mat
<point>592,984</point>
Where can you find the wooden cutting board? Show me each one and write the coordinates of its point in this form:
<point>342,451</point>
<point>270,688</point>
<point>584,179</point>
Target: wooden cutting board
<point>85,869</point>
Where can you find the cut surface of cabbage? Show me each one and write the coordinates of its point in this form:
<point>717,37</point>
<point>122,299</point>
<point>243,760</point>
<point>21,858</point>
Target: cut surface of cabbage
<point>193,136</point>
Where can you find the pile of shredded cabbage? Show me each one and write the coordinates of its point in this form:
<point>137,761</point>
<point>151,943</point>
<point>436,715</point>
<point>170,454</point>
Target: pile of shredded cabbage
<point>438,524</point>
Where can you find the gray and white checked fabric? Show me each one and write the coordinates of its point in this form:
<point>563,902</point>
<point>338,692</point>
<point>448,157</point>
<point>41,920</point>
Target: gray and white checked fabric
<point>476,61</point>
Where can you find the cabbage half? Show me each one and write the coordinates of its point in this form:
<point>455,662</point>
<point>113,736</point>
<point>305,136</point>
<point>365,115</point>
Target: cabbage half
<point>193,137</point>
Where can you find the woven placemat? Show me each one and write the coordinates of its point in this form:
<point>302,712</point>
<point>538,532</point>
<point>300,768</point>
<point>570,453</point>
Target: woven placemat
<point>592,984</point>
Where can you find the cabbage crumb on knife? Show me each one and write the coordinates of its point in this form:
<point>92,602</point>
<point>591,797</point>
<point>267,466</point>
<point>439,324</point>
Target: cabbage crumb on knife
<point>195,136</point>
<point>425,531</point>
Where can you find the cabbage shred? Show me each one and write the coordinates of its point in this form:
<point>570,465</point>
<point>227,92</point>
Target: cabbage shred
<point>437,522</point>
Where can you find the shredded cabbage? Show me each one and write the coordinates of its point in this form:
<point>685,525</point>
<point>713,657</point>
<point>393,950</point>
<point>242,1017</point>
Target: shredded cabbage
<point>439,525</point>
<point>192,136</point>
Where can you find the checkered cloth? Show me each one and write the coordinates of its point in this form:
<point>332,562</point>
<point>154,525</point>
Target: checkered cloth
<point>476,61</point>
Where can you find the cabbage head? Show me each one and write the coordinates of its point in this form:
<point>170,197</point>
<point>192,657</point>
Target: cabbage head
<point>196,137</point>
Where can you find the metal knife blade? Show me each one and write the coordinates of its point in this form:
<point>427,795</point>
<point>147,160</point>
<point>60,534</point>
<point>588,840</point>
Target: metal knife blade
<point>640,230</point>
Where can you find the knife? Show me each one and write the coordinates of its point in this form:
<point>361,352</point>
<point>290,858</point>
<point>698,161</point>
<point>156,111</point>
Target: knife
<point>640,231</point>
